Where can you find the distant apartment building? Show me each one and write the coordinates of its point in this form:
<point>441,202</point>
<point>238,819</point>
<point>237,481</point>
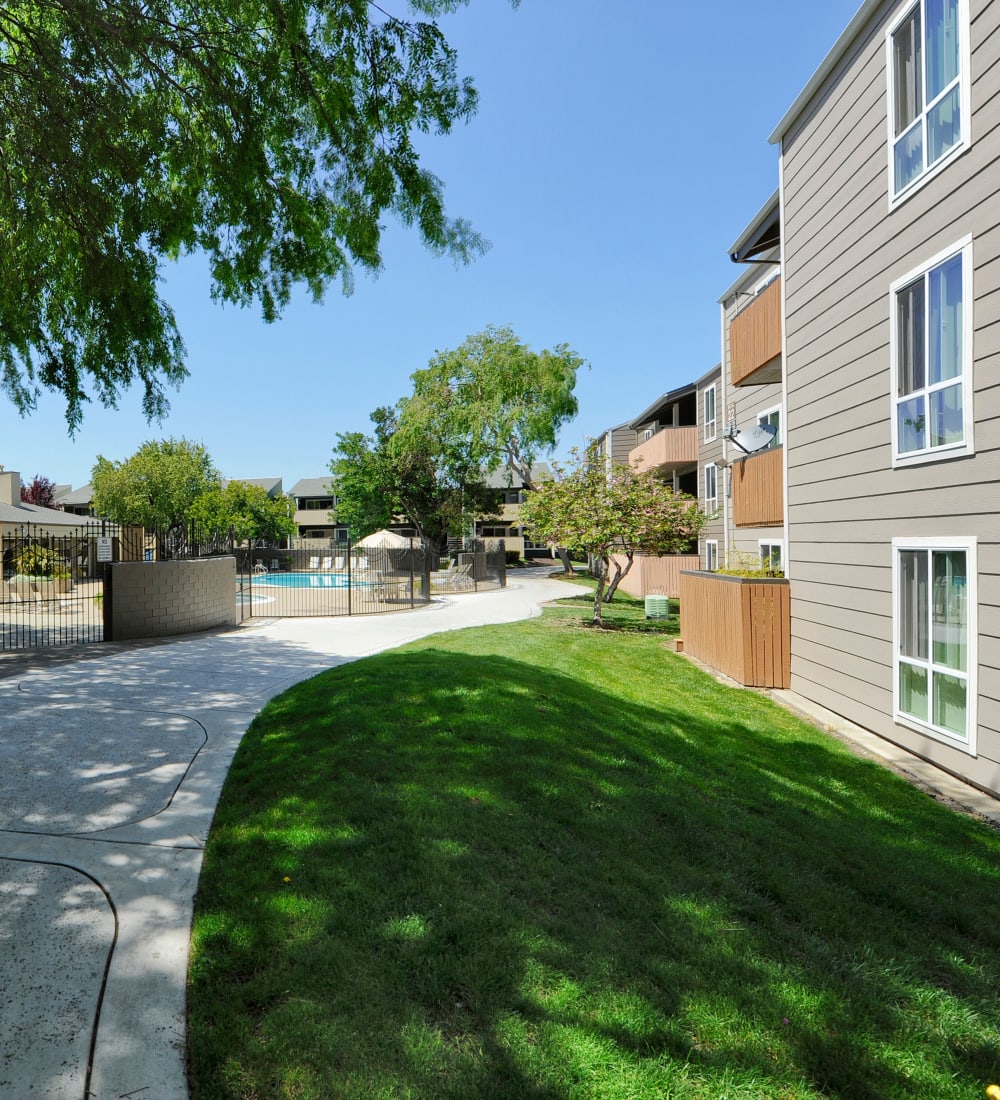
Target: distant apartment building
<point>315,509</point>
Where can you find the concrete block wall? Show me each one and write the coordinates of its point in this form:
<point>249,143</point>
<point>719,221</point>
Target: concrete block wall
<point>164,598</point>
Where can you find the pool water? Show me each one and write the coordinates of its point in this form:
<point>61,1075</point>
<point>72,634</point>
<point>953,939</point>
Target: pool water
<point>306,580</point>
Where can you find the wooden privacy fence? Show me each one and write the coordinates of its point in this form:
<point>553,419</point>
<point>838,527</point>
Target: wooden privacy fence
<point>656,576</point>
<point>738,625</point>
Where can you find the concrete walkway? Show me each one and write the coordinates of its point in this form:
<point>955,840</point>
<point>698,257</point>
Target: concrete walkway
<point>111,763</point>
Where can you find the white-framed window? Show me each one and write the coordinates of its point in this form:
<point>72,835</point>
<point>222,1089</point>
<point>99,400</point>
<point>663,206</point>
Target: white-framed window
<point>772,555</point>
<point>927,62</point>
<point>712,555</point>
<point>711,487</point>
<point>931,357</point>
<point>710,415</point>
<point>773,417</point>
<point>648,434</point>
<point>935,635</point>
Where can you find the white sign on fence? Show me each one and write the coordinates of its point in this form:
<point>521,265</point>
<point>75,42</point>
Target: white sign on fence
<point>103,549</point>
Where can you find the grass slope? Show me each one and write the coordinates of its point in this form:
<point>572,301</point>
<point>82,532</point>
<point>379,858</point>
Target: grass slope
<point>539,861</point>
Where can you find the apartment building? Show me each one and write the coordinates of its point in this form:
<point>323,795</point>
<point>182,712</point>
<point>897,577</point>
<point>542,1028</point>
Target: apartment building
<point>890,295</point>
<point>315,509</point>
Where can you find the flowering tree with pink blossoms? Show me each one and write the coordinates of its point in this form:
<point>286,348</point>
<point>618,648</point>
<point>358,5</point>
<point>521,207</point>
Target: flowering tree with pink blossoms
<point>611,515</point>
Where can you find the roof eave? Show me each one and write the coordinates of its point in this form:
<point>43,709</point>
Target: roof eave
<point>827,66</point>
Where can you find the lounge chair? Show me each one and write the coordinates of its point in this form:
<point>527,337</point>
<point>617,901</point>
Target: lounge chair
<point>456,578</point>
<point>327,564</point>
<point>314,562</point>
<point>338,563</point>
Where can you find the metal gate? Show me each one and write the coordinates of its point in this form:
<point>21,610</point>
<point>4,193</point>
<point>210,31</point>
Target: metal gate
<point>52,589</point>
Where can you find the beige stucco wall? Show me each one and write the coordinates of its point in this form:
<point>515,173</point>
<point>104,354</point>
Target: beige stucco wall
<point>159,599</point>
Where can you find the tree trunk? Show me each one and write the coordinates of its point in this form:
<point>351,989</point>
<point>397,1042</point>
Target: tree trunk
<point>563,555</point>
<point>602,574</point>
<point>619,576</point>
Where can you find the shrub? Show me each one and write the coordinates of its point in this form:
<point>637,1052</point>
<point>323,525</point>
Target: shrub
<point>742,563</point>
<point>37,561</point>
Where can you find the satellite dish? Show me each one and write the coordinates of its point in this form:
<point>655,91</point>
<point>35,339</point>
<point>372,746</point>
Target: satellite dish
<point>754,439</point>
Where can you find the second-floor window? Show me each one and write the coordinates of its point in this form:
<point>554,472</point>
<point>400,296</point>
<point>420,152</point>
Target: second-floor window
<point>711,488</point>
<point>928,101</point>
<point>932,359</point>
<point>710,417</point>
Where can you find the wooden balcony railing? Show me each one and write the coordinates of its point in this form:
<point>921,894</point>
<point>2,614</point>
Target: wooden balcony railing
<point>759,490</point>
<point>741,626</point>
<point>755,339</point>
<point>669,447</point>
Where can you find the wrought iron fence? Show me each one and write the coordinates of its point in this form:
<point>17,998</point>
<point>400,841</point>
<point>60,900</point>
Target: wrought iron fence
<point>53,580</point>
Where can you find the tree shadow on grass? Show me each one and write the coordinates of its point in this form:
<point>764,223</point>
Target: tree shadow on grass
<point>435,874</point>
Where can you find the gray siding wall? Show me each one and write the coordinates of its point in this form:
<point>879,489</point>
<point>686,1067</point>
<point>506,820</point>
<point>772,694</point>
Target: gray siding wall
<point>746,402</point>
<point>843,248</point>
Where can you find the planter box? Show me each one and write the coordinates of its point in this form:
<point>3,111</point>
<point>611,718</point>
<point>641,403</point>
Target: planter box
<point>739,625</point>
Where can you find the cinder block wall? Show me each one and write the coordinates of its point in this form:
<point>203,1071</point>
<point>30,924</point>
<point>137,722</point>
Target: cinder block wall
<point>157,599</point>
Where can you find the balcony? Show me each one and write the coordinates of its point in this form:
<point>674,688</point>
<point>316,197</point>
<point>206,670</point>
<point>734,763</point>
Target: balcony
<point>755,339</point>
<point>759,490</point>
<point>669,447</point>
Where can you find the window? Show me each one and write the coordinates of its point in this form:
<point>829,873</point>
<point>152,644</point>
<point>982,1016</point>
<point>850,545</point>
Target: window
<point>772,556</point>
<point>773,417</point>
<point>935,632</point>
<point>928,66</point>
<point>711,488</point>
<point>710,418</point>
<point>648,434</point>
<point>931,353</point>
<point>712,555</point>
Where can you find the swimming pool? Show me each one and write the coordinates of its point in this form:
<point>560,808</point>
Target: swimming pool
<point>307,580</point>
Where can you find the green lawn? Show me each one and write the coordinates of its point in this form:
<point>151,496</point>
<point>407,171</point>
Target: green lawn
<point>541,861</point>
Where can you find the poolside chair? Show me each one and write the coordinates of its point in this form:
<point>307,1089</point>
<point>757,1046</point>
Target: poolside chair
<point>314,562</point>
<point>444,576</point>
<point>361,564</point>
<point>338,563</point>
<point>259,568</point>
<point>327,564</point>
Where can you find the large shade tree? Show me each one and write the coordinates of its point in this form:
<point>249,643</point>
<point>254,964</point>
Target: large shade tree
<point>388,475</point>
<point>612,516</point>
<point>274,136</point>
<point>492,402</point>
<point>156,487</point>
<point>243,511</point>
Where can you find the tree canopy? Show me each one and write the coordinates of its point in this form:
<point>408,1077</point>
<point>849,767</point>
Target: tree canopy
<point>40,491</point>
<point>493,402</point>
<point>157,487</point>
<point>272,135</point>
<point>388,475</point>
<point>244,510</point>
<point>609,515</point>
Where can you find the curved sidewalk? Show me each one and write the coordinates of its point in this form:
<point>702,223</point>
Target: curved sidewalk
<point>111,763</point>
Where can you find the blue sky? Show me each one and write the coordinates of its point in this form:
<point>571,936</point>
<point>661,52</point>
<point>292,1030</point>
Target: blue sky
<point>618,151</point>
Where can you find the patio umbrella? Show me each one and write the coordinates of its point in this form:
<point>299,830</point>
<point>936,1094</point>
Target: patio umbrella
<point>384,539</point>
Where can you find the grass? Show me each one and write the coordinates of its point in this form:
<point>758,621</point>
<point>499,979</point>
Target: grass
<point>543,862</point>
